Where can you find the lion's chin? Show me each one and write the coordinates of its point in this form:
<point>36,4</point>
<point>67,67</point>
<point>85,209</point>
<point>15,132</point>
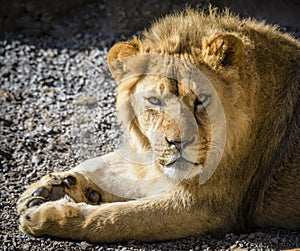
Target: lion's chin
<point>182,169</point>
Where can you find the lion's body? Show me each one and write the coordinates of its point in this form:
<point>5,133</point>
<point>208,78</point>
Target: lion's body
<point>255,73</point>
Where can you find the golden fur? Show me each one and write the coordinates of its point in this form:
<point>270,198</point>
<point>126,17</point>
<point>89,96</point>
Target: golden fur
<point>255,73</point>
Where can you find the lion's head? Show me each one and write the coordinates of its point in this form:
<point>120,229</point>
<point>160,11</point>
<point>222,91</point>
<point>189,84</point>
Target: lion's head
<point>181,95</point>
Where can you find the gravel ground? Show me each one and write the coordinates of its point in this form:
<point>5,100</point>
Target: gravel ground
<point>56,109</point>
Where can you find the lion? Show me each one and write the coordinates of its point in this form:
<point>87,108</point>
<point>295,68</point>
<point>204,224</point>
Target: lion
<point>210,106</point>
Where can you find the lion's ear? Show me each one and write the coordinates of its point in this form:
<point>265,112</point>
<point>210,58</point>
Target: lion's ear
<point>222,50</point>
<point>117,55</point>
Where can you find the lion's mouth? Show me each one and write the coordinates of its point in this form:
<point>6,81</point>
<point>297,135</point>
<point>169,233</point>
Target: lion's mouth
<point>178,159</point>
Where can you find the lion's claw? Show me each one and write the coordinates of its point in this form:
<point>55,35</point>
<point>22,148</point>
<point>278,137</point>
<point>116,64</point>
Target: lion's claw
<point>94,197</point>
<point>42,192</point>
<point>69,181</point>
<point>35,202</point>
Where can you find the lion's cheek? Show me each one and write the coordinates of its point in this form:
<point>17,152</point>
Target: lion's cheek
<point>150,125</point>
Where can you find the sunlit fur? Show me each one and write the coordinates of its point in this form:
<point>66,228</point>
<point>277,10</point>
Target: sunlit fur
<point>255,71</point>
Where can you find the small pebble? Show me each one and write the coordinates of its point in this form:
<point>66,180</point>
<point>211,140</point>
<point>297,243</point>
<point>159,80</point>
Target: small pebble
<point>86,100</point>
<point>35,159</point>
<point>84,245</point>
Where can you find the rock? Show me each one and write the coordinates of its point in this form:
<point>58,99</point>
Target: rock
<point>83,245</point>
<point>86,100</point>
<point>35,159</point>
<point>274,240</point>
<point>251,236</point>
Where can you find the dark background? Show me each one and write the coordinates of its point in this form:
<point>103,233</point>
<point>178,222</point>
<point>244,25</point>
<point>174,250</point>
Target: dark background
<point>115,17</point>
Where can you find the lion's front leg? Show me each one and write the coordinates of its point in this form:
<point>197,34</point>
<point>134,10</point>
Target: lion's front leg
<point>93,182</point>
<point>45,209</point>
<point>147,219</point>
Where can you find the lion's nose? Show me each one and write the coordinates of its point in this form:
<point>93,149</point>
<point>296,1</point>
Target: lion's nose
<point>180,144</point>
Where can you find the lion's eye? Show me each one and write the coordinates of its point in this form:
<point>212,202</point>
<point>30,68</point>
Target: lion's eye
<point>154,101</point>
<point>202,100</point>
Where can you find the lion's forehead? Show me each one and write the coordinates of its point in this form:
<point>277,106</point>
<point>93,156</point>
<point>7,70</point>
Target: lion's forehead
<point>174,75</point>
<point>165,87</point>
<point>157,84</point>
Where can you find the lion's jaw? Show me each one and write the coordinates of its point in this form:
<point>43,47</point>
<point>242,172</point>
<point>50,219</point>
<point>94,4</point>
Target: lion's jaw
<point>177,131</point>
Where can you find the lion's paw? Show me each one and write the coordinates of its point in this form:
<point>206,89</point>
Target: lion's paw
<point>56,186</point>
<point>50,218</point>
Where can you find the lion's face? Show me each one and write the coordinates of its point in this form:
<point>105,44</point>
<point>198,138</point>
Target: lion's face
<point>175,121</point>
<point>182,120</point>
